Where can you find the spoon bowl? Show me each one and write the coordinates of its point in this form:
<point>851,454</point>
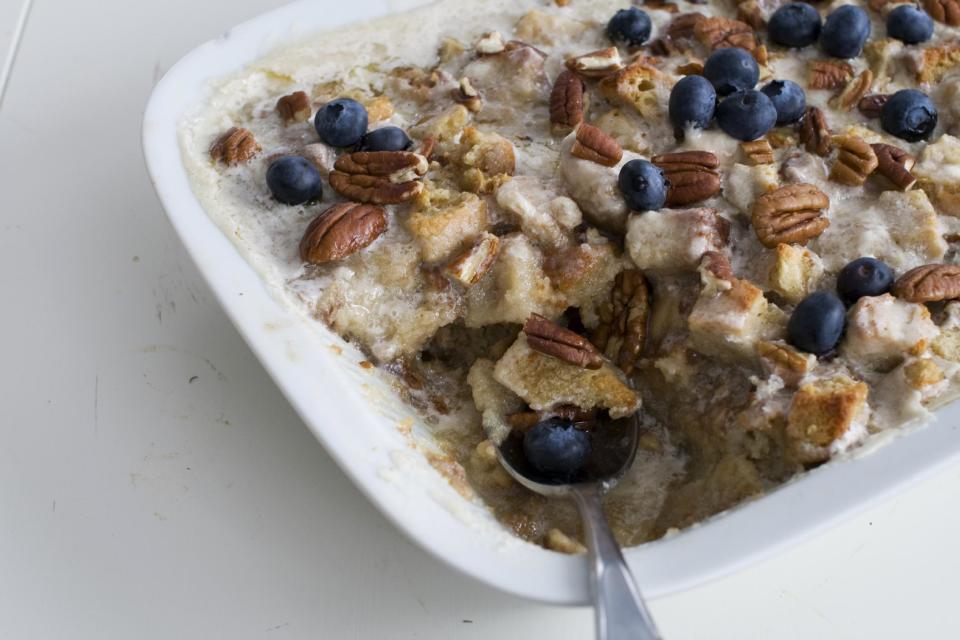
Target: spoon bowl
<point>620,611</point>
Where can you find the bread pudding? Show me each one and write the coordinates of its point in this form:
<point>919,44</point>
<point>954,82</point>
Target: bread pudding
<point>735,221</point>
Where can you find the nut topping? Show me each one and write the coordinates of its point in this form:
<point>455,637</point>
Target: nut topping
<point>856,160</point>
<point>596,146</point>
<point>718,265</point>
<point>719,33</point>
<point>758,151</point>
<point>468,96</point>
<point>945,11</point>
<point>749,12</point>
<point>814,133</point>
<point>567,101</point>
<point>692,176</point>
<point>623,320</point>
<point>379,177</point>
<point>295,107</point>
<point>895,164</point>
<point>792,215</point>
<point>929,283</point>
<point>828,74</point>
<point>597,64</point>
<point>553,340</point>
<point>853,92</point>
<point>236,146</point>
<point>470,266</point>
<point>490,44</point>
<point>684,25</point>
<point>870,105</point>
<point>340,231</point>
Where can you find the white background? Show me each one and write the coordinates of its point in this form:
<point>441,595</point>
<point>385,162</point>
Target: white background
<point>155,484</point>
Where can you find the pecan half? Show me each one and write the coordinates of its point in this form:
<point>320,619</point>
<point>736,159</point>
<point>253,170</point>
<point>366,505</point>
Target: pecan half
<point>567,101</point>
<point>828,74</point>
<point>596,146</point>
<point>945,11</point>
<point>718,32</point>
<point>853,91</point>
<point>236,146</point>
<point>856,160</point>
<point>717,264</point>
<point>684,26</point>
<point>379,177</point>
<point>929,283</point>
<point>623,320</point>
<point>470,266</point>
<point>551,339</point>
<point>295,107</point>
<point>894,164</point>
<point>870,105</point>
<point>814,133</point>
<point>692,68</point>
<point>692,175</point>
<point>596,64</point>
<point>340,231</point>
<point>758,151</point>
<point>792,214</point>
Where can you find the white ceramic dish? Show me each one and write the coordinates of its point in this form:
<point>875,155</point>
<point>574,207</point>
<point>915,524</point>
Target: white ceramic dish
<point>356,418</point>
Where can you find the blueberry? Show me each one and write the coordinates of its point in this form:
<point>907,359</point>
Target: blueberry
<point>794,25</point>
<point>746,115</point>
<point>643,186</point>
<point>909,114</point>
<point>788,99</point>
<point>294,180</point>
<point>845,32</point>
<point>909,24</point>
<point>817,323</point>
<point>385,139</point>
<point>341,123</point>
<point>692,103</point>
<point>629,26</point>
<point>556,448</point>
<point>731,69</point>
<point>864,277</point>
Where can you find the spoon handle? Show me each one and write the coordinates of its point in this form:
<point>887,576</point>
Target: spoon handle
<point>619,609</point>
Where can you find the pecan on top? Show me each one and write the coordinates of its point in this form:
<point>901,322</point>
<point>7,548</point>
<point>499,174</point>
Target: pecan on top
<point>379,177</point>
<point>295,107</point>
<point>553,340</point>
<point>340,231</point>
<point>692,175</point>
<point>622,332</point>
<point>235,146</point>
<point>945,11</point>
<point>856,160</point>
<point>596,146</point>
<point>814,132</point>
<point>894,164</point>
<point>758,151</point>
<point>853,91</point>
<point>871,104</point>
<point>597,64</point>
<point>567,104</point>
<point>929,283</point>
<point>718,32</point>
<point>792,214</point>
<point>828,74</point>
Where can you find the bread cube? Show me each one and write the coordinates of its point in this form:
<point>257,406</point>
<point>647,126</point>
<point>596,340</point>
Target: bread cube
<point>742,184</point>
<point>542,216</point>
<point>594,186</point>
<point>494,401</point>
<point>883,330</point>
<point>513,288</point>
<point>446,221</point>
<point>673,241</point>
<point>728,321</point>
<point>795,272</point>
<point>827,416</point>
<point>546,382</point>
<point>938,173</point>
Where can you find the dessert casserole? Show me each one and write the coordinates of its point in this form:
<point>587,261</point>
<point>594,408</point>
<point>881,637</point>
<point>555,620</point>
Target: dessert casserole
<point>736,221</point>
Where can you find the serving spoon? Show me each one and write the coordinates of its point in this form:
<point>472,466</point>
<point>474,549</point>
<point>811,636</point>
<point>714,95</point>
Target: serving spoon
<point>619,608</point>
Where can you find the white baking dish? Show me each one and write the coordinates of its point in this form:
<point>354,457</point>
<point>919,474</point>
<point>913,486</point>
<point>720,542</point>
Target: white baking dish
<point>356,417</point>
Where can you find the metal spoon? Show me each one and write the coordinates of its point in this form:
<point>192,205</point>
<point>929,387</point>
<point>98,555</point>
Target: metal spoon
<point>619,607</point>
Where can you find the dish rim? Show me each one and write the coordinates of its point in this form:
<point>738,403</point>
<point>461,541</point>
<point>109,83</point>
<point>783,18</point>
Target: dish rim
<point>721,545</point>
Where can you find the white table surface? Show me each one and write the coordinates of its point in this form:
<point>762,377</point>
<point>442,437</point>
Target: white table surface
<point>155,484</point>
